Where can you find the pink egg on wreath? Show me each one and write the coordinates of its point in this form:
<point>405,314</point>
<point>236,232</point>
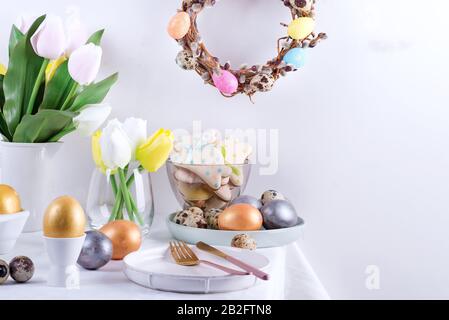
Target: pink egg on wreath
<point>226,82</point>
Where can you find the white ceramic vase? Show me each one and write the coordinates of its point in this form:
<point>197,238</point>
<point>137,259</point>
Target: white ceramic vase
<point>27,167</point>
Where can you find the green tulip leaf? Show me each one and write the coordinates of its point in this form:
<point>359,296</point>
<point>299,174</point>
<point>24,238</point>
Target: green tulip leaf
<point>23,69</point>
<point>42,126</point>
<point>96,37</point>
<point>58,88</point>
<point>93,94</point>
<point>15,37</point>
<point>2,95</point>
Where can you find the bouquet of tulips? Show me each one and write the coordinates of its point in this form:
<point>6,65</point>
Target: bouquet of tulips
<point>119,150</point>
<point>48,90</point>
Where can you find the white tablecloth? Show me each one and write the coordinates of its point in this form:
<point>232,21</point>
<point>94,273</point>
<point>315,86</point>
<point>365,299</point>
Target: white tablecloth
<point>292,278</point>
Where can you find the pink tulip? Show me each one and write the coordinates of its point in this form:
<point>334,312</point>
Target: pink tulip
<point>49,41</point>
<point>84,63</point>
<point>25,21</point>
<point>77,36</point>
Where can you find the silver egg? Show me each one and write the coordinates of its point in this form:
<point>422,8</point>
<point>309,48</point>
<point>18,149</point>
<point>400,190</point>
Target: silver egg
<point>96,252</point>
<point>252,201</point>
<point>279,214</point>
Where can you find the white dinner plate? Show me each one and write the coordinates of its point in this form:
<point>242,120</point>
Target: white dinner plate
<point>264,238</point>
<point>156,269</point>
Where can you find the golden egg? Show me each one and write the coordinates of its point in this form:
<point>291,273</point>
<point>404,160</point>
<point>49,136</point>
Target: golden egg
<point>64,218</point>
<point>240,217</point>
<point>179,25</point>
<point>9,200</point>
<point>125,236</point>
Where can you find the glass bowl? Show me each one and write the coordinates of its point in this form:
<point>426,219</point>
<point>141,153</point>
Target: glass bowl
<point>207,186</point>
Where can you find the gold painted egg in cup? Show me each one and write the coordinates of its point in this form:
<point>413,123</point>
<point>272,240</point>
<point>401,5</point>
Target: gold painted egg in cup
<point>64,218</point>
<point>9,200</point>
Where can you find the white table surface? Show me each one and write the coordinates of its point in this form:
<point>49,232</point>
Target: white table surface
<point>292,278</point>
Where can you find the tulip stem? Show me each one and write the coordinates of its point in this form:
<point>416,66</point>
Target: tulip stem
<point>70,96</point>
<point>125,193</point>
<point>37,85</point>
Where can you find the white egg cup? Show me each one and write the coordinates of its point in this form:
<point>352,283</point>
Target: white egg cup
<point>63,255</point>
<point>11,227</point>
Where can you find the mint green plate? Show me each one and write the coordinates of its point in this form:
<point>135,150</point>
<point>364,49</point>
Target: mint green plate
<point>264,238</point>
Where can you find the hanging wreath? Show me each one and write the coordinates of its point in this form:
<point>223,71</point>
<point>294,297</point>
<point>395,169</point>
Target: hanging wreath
<point>248,79</point>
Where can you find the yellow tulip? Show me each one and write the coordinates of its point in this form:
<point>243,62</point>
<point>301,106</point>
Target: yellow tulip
<point>2,70</point>
<point>153,154</point>
<point>52,67</point>
<point>96,152</point>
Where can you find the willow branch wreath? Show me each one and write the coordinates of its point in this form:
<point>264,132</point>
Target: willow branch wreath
<point>248,79</point>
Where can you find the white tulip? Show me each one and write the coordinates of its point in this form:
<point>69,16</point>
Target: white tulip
<point>84,63</point>
<point>25,22</point>
<point>92,118</point>
<point>136,130</point>
<point>49,41</point>
<point>115,148</point>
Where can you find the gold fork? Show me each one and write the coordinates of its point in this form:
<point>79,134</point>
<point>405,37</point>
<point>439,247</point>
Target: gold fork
<point>184,256</point>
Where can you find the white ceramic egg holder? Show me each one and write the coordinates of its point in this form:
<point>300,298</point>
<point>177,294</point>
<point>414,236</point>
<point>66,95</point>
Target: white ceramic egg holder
<point>11,226</point>
<point>63,255</point>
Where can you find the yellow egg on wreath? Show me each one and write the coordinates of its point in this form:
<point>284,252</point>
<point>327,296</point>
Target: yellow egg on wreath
<point>64,219</point>
<point>9,200</point>
<point>301,28</point>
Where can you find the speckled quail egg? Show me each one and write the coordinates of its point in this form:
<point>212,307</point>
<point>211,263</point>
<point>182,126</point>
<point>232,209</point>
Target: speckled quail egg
<point>212,218</point>
<point>243,241</point>
<point>271,195</point>
<point>4,271</point>
<point>191,219</point>
<point>262,82</point>
<point>303,5</point>
<point>186,60</point>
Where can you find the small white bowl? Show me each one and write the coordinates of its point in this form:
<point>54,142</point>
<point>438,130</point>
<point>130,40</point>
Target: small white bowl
<point>11,227</point>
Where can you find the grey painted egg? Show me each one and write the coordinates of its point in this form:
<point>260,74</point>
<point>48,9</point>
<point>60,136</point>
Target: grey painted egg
<point>185,60</point>
<point>262,82</point>
<point>21,269</point>
<point>279,214</point>
<point>97,251</point>
<point>252,201</point>
<point>4,271</point>
<point>271,195</point>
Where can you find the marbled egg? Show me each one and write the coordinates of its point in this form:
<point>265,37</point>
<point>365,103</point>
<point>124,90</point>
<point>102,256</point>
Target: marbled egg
<point>295,57</point>
<point>262,82</point>
<point>279,214</point>
<point>252,201</point>
<point>226,82</point>
<point>4,271</point>
<point>185,60</point>
<point>96,252</point>
<point>301,28</point>
<point>179,25</point>
<point>240,217</point>
<point>21,269</point>
<point>271,195</point>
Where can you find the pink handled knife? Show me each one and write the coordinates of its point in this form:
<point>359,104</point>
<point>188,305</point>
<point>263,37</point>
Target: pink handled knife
<point>256,272</point>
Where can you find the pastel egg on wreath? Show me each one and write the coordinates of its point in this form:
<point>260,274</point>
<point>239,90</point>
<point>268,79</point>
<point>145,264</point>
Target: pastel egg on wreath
<point>226,82</point>
<point>295,57</point>
<point>179,25</point>
<point>262,82</point>
<point>301,28</point>
<point>185,60</point>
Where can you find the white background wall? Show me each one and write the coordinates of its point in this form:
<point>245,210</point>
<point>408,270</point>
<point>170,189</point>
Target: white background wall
<point>364,127</point>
